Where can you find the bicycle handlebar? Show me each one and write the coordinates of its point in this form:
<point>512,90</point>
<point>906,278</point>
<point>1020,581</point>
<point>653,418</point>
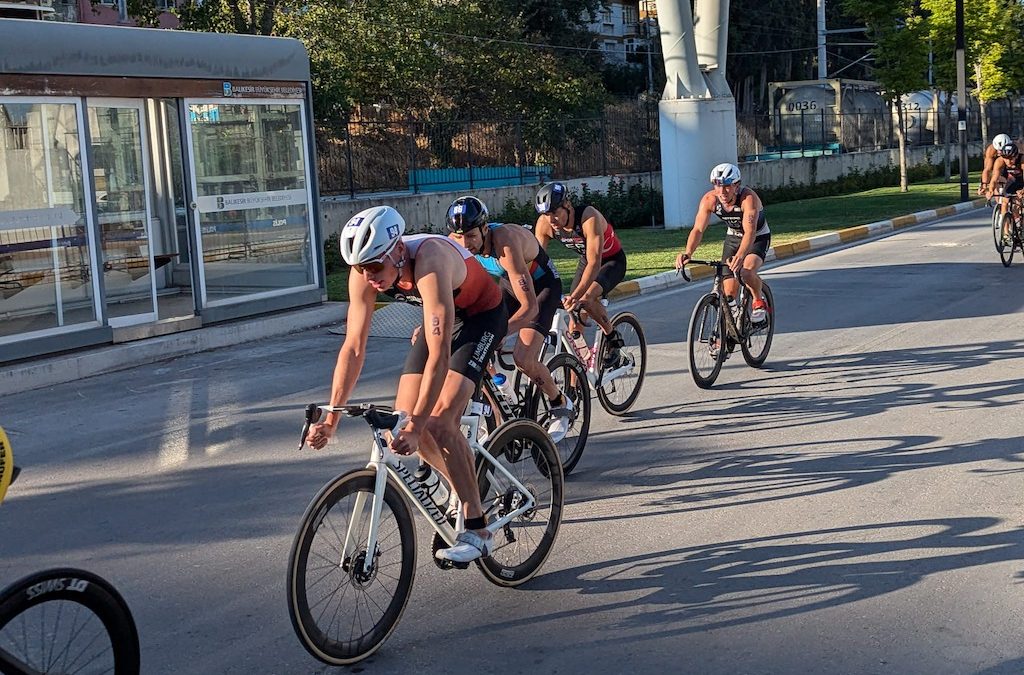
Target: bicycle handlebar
<point>717,264</point>
<point>377,416</point>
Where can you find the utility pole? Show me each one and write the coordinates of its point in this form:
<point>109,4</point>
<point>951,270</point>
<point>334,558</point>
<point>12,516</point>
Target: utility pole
<point>961,95</point>
<point>822,66</point>
<point>650,46</point>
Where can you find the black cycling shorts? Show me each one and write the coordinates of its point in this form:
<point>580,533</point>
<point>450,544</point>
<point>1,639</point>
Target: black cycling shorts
<point>760,248</point>
<point>1012,188</point>
<point>474,340</point>
<point>611,272</point>
<point>549,298</point>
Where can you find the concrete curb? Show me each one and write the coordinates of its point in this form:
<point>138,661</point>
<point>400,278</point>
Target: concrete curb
<point>663,280</point>
<point>70,367</point>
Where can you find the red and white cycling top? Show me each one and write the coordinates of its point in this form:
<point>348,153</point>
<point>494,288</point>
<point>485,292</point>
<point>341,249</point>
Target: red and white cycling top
<point>577,241</point>
<point>477,293</point>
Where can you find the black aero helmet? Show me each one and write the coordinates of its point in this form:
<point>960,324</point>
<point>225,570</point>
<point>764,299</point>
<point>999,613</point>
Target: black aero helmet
<point>465,213</point>
<point>550,197</point>
<point>1009,150</point>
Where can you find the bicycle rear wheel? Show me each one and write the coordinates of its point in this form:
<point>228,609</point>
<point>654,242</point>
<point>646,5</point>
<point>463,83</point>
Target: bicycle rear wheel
<point>619,395</point>
<point>759,340</point>
<point>340,613</point>
<point>707,345</point>
<point>1006,250</point>
<point>67,621</point>
<point>525,450</point>
<point>571,378</point>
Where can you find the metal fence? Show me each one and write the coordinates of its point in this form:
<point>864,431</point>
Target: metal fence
<point>386,152</point>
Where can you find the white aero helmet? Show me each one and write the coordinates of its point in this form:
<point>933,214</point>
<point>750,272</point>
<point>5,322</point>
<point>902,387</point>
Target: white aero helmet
<point>725,174</point>
<point>1001,141</point>
<point>370,235</point>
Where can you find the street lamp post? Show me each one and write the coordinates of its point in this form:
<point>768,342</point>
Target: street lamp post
<point>961,94</point>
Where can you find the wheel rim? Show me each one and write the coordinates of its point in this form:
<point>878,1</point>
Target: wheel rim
<point>619,392</point>
<point>345,604</point>
<point>705,341</point>
<point>76,641</point>
<point>575,387</point>
<point>759,339</point>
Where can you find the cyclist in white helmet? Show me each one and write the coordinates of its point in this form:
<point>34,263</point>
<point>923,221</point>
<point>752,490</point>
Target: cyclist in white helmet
<point>992,153</point>
<point>747,236</point>
<point>464,316</point>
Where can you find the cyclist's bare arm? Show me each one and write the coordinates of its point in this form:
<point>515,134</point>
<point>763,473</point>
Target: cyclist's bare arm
<point>542,231</point>
<point>700,223</point>
<point>351,356</point>
<point>986,171</point>
<point>437,275</point>
<point>750,208</point>
<point>509,249</point>
<point>593,230</point>
<point>997,170</point>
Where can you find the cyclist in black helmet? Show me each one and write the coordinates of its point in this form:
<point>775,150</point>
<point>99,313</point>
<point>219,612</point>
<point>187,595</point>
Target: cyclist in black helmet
<point>602,262</point>
<point>1009,165</point>
<point>533,291</point>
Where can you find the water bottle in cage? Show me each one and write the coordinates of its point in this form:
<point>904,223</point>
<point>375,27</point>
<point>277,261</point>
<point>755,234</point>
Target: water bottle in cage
<point>504,385</point>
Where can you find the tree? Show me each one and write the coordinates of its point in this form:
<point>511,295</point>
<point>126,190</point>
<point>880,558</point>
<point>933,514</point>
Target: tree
<point>250,17</point>
<point>900,53</point>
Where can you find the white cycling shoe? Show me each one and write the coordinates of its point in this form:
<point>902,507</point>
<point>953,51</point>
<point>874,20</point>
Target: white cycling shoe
<point>469,546</point>
<point>561,419</point>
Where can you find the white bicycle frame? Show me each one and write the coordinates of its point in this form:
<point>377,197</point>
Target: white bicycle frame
<point>558,338</point>
<point>385,462</point>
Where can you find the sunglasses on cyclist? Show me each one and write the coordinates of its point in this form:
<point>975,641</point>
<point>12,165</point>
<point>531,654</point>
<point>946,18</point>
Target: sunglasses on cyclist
<point>375,267</point>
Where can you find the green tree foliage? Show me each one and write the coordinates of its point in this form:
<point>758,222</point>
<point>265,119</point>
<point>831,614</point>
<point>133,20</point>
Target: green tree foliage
<point>251,17</point>
<point>900,55</point>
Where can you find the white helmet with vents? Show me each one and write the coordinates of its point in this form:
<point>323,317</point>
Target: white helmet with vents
<point>370,235</point>
<point>725,174</point>
<point>1001,141</point>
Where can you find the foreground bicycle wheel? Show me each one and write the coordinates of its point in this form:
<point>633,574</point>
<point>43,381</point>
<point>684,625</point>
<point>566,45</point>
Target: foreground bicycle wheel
<point>522,546</point>
<point>570,377</point>
<point>997,228</point>
<point>619,395</point>
<point>67,621</point>
<point>706,344</point>
<point>759,341</point>
<point>1006,245</point>
<point>340,613</point>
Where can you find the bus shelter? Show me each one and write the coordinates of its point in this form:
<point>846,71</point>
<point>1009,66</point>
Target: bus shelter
<point>151,181</point>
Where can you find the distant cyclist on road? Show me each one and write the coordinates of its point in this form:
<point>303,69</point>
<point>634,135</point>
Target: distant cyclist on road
<point>464,317</point>
<point>602,262</point>
<point>1009,165</point>
<point>511,252</point>
<point>747,236</point>
<point>992,153</point>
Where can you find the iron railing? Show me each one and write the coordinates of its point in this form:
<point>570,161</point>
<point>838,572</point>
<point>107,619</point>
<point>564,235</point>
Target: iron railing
<point>387,152</point>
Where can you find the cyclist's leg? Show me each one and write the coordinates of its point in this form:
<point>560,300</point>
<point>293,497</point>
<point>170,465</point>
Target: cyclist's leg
<point>472,348</point>
<point>752,262</point>
<point>612,271</point>
<point>531,339</point>
<point>729,284</point>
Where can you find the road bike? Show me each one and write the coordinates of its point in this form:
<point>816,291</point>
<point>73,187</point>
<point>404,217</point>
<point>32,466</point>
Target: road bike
<point>1008,229</point>
<point>352,564</point>
<point>521,398</point>
<point>616,374</point>
<point>714,333</point>
<point>63,620</point>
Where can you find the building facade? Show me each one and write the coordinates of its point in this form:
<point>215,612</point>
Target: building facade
<point>162,184</point>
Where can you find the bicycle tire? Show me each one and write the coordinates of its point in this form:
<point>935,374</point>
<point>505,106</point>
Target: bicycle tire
<point>757,360</point>
<point>521,443</point>
<point>612,406</point>
<point>997,233</point>
<point>1006,252</point>
<point>84,590</point>
<point>706,316</point>
<point>311,634</point>
<point>570,448</point>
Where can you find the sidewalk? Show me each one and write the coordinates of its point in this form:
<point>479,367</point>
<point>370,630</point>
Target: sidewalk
<point>60,369</point>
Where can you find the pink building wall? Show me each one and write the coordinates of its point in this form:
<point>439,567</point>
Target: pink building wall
<point>108,15</point>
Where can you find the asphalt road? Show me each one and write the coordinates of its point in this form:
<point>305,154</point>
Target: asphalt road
<point>854,507</point>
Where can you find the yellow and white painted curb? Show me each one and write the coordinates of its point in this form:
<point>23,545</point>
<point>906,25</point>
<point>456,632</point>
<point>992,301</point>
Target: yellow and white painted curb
<point>663,280</point>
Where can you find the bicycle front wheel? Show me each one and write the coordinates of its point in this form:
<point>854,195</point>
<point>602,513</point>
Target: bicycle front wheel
<point>525,450</point>
<point>759,340</point>
<point>341,611</point>
<point>997,228</point>
<point>1006,249</point>
<point>707,344</point>
<point>67,621</point>
<point>618,395</point>
<point>570,376</point>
